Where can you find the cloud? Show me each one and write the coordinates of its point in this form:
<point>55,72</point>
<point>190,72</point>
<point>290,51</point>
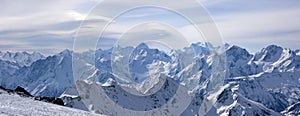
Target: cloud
<point>50,26</point>
<point>39,25</point>
<point>257,29</point>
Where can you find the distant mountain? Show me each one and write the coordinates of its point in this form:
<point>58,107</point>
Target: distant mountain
<point>11,62</point>
<point>45,77</point>
<point>240,63</point>
<point>264,83</point>
<point>7,69</point>
<point>21,58</point>
<point>276,59</point>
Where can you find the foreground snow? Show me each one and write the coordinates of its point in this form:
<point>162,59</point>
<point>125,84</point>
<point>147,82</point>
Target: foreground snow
<point>16,105</point>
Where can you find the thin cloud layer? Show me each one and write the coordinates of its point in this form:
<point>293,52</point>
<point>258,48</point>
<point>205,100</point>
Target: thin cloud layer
<point>40,25</point>
<point>50,26</point>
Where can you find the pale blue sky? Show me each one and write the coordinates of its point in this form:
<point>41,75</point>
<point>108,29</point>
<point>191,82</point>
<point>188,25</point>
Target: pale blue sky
<point>50,26</point>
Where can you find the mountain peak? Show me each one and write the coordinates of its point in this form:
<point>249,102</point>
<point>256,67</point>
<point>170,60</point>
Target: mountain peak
<point>200,48</point>
<point>269,54</point>
<point>142,46</point>
<point>66,52</point>
<point>22,58</point>
<point>237,49</point>
<point>234,47</point>
<point>274,47</point>
<point>37,53</point>
<point>235,53</point>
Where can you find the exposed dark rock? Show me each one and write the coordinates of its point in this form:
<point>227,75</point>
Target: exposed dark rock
<point>23,93</point>
<point>52,100</point>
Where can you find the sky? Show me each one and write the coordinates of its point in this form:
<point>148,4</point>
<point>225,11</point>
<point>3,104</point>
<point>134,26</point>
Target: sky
<point>51,26</point>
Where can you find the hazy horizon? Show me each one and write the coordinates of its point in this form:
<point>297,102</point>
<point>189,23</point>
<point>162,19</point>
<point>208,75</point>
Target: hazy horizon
<point>49,54</point>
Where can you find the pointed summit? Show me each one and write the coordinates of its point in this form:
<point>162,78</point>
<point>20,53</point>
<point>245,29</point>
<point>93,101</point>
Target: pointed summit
<point>237,51</point>
<point>66,52</point>
<point>273,49</point>
<point>271,53</point>
<point>142,46</point>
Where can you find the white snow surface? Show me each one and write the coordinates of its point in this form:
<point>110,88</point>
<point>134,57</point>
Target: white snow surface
<point>14,105</point>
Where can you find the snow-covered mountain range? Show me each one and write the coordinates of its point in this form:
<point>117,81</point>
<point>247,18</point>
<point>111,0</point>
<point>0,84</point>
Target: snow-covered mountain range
<point>21,58</point>
<point>264,83</point>
<point>45,77</point>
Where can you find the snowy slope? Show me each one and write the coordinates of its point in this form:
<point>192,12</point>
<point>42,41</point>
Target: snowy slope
<point>229,102</point>
<point>140,103</point>
<point>232,103</point>
<point>293,110</point>
<point>285,85</point>
<point>16,105</point>
<point>71,99</point>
